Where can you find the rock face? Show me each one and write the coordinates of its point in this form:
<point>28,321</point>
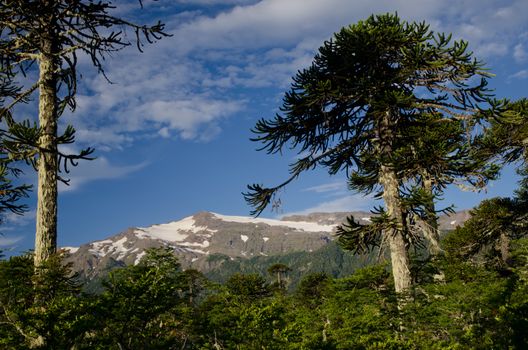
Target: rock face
<point>197,239</point>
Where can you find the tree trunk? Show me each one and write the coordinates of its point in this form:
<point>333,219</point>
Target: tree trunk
<point>398,250</point>
<point>387,178</point>
<point>431,231</point>
<point>46,227</point>
<point>504,247</point>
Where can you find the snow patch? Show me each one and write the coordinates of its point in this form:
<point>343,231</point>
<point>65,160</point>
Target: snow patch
<point>453,222</point>
<point>199,251</point>
<point>99,244</point>
<point>204,244</point>
<point>298,225</point>
<point>265,239</point>
<point>244,238</point>
<point>176,231</point>
<point>194,259</point>
<point>100,248</point>
<point>119,247</point>
<point>138,258</point>
<point>366,219</point>
<point>71,250</point>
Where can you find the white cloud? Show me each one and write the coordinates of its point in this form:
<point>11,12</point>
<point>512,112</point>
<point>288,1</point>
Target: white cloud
<point>272,23</point>
<point>289,32</point>
<point>185,85</point>
<point>9,241</point>
<point>335,186</point>
<point>522,74</point>
<point>12,220</point>
<point>342,204</point>
<point>164,132</point>
<point>97,169</point>
<point>519,53</point>
<point>152,94</point>
<point>278,22</point>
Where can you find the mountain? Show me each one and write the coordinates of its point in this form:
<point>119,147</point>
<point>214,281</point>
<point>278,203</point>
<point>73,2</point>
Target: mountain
<point>207,241</point>
<point>330,259</point>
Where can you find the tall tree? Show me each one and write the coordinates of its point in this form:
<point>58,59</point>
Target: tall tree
<point>50,34</point>
<point>349,109</point>
<point>279,270</point>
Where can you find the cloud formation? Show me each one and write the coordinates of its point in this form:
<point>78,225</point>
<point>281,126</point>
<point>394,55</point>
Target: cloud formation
<point>520,53</point>
<point>357,202</point>
<point>12,220</point>
<point>9,241</point>
<point>522,74</point>
<point>330,187</point>
<point>186,85</point>
<point>98,169</point>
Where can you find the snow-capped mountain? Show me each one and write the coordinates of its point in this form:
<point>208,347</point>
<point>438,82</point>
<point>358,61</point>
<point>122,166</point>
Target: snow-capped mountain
<point>197,239</point>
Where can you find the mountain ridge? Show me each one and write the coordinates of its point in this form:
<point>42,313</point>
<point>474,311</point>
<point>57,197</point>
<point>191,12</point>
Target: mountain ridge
<point>197,237</point>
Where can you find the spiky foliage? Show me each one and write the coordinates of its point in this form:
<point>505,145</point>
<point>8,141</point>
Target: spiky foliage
<point>49,35</point>
<point>507,136</point>
<point>333,108</point>
<point>279,270</point>
<point>10,193</point>
<point>491,228</point>
<point>359,106</point>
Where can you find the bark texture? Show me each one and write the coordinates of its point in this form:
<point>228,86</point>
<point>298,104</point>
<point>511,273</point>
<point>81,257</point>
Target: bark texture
<point>46,227</point>
<point>504,244</point>
<point>398,249</point>
<point>387,177</point>
<point>431,232</point>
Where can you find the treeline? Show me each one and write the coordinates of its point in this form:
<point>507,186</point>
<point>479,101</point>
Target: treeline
<point>475,295</point>
<point>402,110</point>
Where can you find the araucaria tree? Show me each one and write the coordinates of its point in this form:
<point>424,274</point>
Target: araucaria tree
<point>49,35</point>
<point>350,110</point>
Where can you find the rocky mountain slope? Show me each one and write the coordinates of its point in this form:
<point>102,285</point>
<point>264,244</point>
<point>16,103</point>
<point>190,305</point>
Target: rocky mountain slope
<point>206,240</point>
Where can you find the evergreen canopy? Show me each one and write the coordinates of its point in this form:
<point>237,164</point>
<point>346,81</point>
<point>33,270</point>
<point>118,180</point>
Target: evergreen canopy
<point>331,113</point>
<point>369,91</point>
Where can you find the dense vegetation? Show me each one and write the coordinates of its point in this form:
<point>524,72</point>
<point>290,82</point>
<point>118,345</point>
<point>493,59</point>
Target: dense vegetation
<point>330,259</point>
<point>480,302</point>
<point>402,110</point>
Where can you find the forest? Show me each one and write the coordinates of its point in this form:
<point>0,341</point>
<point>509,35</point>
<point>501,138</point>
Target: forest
<point>403,111</point>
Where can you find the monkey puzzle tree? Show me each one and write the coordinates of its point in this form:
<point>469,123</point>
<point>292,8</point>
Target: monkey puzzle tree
<point>279,270</point>
<point>495,222</point>
<point>50,34</point>
<point>348,112</point>
<point>431,153</point>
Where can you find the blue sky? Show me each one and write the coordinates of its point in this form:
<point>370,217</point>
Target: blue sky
<point>172,131</point>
